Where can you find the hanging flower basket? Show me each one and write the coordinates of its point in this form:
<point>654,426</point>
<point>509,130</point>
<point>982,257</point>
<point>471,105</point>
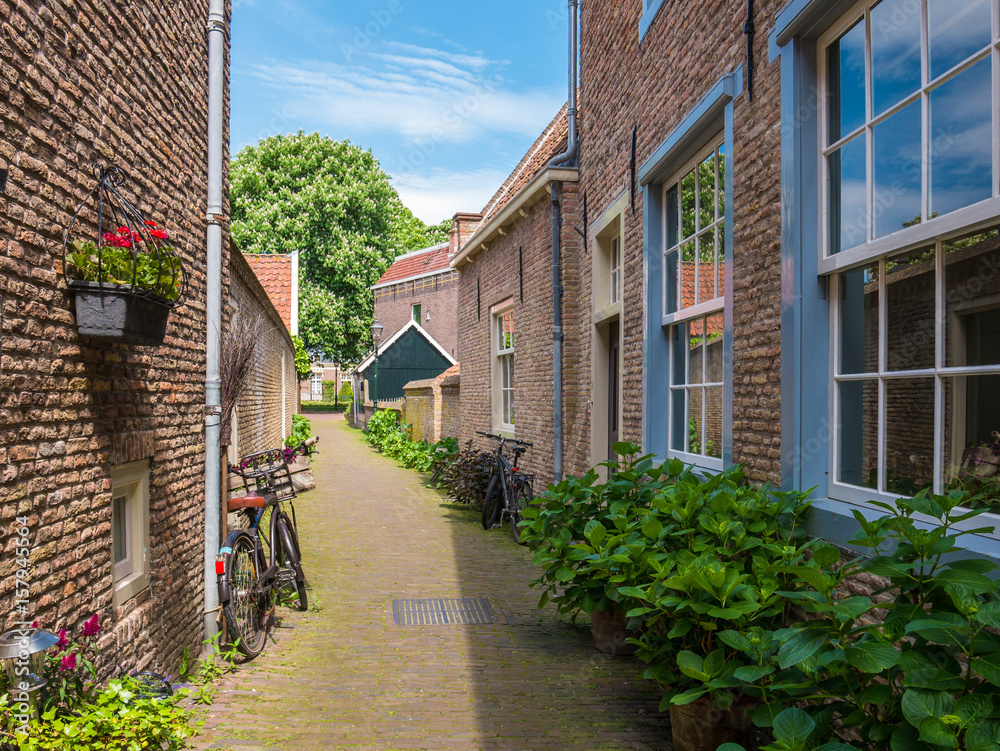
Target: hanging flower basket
<point>128,279</point>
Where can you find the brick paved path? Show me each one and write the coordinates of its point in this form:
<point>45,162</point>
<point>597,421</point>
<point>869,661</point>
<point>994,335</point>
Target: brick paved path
<point>346,677</point>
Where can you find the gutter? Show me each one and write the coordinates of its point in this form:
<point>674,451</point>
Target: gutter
<point>217,33</point>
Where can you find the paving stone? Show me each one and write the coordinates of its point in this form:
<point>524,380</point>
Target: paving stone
<point>347,677</point>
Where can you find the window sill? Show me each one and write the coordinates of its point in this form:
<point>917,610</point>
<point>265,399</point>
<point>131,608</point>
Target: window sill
<point>129,587</point>
<point>612,311</point>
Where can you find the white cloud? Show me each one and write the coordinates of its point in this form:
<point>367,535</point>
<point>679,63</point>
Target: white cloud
<point>438,194</point>
<point>424,95</point>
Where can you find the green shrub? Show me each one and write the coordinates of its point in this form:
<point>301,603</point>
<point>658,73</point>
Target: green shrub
<point>118,718</point>
<point>467,475</point>
<point>330,392</point>
<point>301,431</point>
<point>325,407</point>
<point>346,392</point>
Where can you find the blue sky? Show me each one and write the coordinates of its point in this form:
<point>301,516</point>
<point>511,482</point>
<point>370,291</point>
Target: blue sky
<point>448,95</point>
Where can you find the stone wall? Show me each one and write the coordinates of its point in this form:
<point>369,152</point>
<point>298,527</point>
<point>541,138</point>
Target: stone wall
<point>85,82</point>
<point>264,412</point>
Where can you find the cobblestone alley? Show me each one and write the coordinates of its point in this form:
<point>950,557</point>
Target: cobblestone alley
<point>346,677</point>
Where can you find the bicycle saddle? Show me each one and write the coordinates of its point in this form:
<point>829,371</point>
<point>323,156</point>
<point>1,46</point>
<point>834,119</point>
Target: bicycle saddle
<point>246,501</point>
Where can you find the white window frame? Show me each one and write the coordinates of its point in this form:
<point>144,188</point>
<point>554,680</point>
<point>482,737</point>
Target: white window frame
<point>131,575</point>
<point>615,275</point>
<point>936,232</point>
<point>930,229</point>
<point>416,313</point>
<point>701,310</point>
<point>503,358</point>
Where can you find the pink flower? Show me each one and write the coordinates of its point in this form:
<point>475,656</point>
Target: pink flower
<point>68,662</point>
<point>63,641</point>
<point>34,624</point>
<point>91,627</point>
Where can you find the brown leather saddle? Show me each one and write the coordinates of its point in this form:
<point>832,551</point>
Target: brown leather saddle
<point>246,501</point>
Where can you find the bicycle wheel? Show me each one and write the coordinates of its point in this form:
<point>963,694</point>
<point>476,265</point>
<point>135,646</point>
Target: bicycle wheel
<point>245,611</point>
<point>523,496</point>
<point>493,502</point>
<point>290,546</point>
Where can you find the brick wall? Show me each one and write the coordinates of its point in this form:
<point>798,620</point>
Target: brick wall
<point>264,412</point>
<point>438,299</point>
<point>493,277</point>
<point>79,88</point>
<point>655,83</point>
<point>451,407</point>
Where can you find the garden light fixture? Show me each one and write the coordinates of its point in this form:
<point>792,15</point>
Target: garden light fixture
<point>22,656</point>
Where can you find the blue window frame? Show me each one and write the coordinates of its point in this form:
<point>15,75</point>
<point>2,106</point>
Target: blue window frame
<point>688,342</point>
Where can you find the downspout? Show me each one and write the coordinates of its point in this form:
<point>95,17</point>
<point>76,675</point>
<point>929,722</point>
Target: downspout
<point>568,158</point>
<point>217,31</point>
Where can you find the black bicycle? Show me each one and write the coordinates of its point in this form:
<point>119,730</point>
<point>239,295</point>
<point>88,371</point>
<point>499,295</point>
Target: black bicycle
<point>252,567</point>
<point>509,490</point>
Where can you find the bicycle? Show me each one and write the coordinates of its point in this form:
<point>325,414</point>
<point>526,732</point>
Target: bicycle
<point>249,577</point>
<point>509,490</point>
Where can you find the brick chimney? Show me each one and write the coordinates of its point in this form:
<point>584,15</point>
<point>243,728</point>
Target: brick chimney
<point>463,226</point>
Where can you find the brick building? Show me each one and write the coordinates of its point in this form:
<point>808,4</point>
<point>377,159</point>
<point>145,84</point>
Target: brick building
<point>420,286</point>
<point>827,198</point>
<point>506,314</point>
<point>90,430</point>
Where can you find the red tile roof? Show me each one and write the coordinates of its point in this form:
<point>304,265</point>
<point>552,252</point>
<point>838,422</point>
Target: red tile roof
<point>550,144</point>
<point>417,263</point>
<point>275,275</point>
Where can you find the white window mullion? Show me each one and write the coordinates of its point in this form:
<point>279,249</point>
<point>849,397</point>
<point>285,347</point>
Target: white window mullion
<point>926,141</point>
<point>835,415</point>
<point>940,361</point>
<point>869,132</point>
<point>996,99</point>
<point>883,342</point>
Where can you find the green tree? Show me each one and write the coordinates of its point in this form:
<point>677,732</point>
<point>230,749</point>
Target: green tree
<point>331,201</point>
<point>303,364</point>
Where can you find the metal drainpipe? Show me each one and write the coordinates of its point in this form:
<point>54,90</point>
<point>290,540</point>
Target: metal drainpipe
<point>567,159</point>
<point>557,335</point>
<point>217,31</point>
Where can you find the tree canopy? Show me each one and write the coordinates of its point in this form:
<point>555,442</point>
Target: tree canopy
<point>331,201</point>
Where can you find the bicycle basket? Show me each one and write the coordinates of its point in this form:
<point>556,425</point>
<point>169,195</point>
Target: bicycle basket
<point>268,472</point>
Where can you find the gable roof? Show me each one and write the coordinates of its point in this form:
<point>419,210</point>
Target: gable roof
<point>382,347</point>
<point>275,275</point>
<point>419,263</point>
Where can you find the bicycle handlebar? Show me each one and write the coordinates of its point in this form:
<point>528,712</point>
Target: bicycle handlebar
<point>506,440</point>
<point>309,443</point>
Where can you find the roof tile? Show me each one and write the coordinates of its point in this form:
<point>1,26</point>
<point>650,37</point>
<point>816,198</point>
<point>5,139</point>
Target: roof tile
<point>418,263</point>
<point>275,275</point>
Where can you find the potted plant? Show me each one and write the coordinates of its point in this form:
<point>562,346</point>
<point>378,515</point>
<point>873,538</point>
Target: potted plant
<point>128,279</point>
<point>579,530</point>
<point>720,544</point>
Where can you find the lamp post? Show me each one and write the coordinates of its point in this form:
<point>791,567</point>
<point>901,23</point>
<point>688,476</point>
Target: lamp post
<point>22,655</point>
<point>377,329</point>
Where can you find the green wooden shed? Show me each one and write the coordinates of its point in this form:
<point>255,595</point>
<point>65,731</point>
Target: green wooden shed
<point>411,354</point>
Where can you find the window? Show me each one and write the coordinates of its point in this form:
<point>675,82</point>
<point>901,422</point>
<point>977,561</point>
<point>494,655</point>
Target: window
<point>909,167</point>
<point>503,400</point>
<point>615,280</point>
<point>129,530</point>
<point>693,302</point>
<point>316,386</point>
<point>909,122</point>
<point>415,313</point>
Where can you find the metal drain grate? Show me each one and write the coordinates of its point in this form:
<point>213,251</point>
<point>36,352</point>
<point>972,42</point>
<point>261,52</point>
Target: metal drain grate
<point>442,612</point>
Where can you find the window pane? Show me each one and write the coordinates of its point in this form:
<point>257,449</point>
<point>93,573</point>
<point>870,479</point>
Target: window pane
<point>898,171</point>
<point>846,82</point>
<point>962,140</point>
<point>721,163</point>
<point>848,196</point>
<point>688,275</point>
<point>895,35</point>
<point>696,432</point>
<point>678,411</point>
<point>670,277</point>
<point>972,453</point>
<point>859,433</point>
<point>909,452</point>
<point>958,29</point>
<point>713,426</point>
<point>672,215</point>
<point>706,266</point>
<point>859,321</point>
<point>972,284</point>
<point>696,351</point>
<point>721,239</point>
<point>714,348</point>
<point>910,293</point>
<point>688,214</point>
<point>119,536</point>
<point>707,191</point>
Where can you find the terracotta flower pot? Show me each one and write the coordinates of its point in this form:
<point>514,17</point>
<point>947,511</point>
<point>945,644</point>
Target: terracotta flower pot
<point>701,726</point>
<point>610,632</point>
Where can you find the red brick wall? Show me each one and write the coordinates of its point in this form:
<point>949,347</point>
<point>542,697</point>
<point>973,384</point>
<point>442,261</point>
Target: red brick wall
<point>85,82</point>
<point>437,296</point>
<point>656,83</point>
<point>496,273</point>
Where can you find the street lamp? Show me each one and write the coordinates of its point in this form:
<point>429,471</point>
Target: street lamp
<point>377,329</point>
